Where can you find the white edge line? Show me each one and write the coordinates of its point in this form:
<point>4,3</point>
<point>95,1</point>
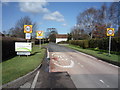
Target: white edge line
<point>47,53</point>
<point>97,59</point>
<point>35,80</point>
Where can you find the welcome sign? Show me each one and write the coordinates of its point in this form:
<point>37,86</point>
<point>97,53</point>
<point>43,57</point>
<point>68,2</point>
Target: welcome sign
<point>23,46</point>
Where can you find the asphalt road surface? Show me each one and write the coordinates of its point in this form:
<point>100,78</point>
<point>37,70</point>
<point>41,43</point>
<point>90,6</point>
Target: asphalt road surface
<point>84,70</point>
<point>68,68</point>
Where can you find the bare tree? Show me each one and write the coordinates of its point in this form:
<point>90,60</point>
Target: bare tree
<point>18,30</point>
<point>88,20</point>
<point>51,34</point>
<point>78,33</point>
<point>113,13</point>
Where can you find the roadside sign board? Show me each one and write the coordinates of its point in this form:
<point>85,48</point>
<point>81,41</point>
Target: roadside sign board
<point>23,46</point>
<point>39,34</point>
<point>110,31</point>
<point>27,28</point>
<point>28,36</point>
<point>23,53</point>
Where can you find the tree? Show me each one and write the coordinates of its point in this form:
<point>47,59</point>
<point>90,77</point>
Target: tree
<point>18,30</point>
<point>87,19</point>
<point>113,14</point>
<point>69,36</point>
<point>52,38</point>
<point>78,33</point>
<point>95,21</point>
<point>51,34</point>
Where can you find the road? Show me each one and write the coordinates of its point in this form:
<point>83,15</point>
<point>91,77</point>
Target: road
<point>68,68</point>
<point>84,70</point>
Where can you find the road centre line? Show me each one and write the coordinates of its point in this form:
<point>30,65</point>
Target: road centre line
<point>35,81</point>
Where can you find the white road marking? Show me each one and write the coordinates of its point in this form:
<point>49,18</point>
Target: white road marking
<point>113,65</point>
<point>68,66</point>
<point>97,59</point>
<point>66,59</point>
<point>86,55</point>
<point>82,66</point>
<point>104,83</point>
<point>108,64</point>
<point>47,53</point>
<point>35,80</point>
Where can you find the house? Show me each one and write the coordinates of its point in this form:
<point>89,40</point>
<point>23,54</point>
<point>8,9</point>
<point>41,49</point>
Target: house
<point>61,37</point>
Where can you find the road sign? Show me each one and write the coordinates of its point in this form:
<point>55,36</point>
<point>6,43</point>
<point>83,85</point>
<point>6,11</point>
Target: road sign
<point>110,31</point>
<point>39,34</point>
<point>27,28</point>
<point>28,36</point>
<point>23,46</point>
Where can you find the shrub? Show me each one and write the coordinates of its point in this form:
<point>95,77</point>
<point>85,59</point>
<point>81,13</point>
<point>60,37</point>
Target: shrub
<point>63,42</point>
<point>81,43</point>
<point>102,43</point>
<point>96,49</point>
<point>8,47</point>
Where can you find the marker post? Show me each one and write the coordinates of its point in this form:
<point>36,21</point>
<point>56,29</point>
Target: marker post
<point>40,43</point>
<point>39,35</point>
<point>110,32</point>
<point>109,44</point>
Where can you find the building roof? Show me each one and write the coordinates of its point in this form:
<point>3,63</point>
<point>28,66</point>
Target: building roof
<point>61,36</point>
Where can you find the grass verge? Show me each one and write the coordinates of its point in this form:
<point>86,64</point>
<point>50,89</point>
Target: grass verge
<point>98,54</point>
<point>19,66</point>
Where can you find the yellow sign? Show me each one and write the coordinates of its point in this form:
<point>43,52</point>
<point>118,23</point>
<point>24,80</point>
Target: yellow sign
<point>39,34</point>
<point>110,31</point>
<point>27,28</point>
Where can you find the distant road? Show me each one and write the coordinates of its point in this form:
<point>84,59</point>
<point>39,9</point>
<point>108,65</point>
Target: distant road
<point>85,71</point>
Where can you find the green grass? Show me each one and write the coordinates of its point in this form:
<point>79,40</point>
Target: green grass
<point>98,54</point>
<point>19,66</point>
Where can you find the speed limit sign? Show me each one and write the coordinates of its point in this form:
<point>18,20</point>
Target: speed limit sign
<point>27,28</point>
<point>110,31</point>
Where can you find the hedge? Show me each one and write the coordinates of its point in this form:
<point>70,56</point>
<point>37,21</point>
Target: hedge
<point>8,47</point>
<point>37,41</point>
<point>98,43</point>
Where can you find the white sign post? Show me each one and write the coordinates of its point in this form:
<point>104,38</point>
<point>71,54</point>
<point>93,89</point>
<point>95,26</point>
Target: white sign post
<point>109,44</point>
<point>110,32</point>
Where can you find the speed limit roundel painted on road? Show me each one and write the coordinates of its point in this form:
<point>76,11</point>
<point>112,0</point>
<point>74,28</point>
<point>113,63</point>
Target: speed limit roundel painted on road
<point>110,31</point>
<point>27,28</point>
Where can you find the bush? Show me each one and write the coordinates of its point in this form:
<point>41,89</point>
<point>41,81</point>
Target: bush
<point>102,44</point>
<point>8,47</point>
<point>81,43</point>
<point>63,42</point>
